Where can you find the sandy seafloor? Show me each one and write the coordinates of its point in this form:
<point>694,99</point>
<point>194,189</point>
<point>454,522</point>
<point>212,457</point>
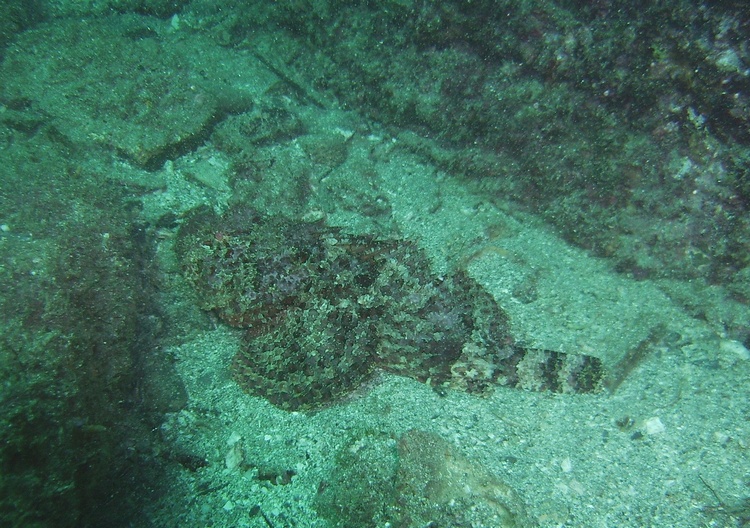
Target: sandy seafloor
<point>661,450</point>
<point>641,455</point>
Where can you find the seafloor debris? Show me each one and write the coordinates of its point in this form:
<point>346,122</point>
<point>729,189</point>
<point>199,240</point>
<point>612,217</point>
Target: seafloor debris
<point>323,309</point>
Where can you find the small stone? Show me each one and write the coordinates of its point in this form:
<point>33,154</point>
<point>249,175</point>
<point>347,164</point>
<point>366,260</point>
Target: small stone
<point>654,426</point>
<point>732,347</point>
<point>576,487</point>
<point>721,437</point>
<point>234,457</point>
<point>313,215</point>
<point>228,506</point>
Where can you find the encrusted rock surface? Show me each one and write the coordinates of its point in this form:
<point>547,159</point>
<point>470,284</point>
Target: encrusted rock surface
<point>129,85</point>
<point>419,479</point>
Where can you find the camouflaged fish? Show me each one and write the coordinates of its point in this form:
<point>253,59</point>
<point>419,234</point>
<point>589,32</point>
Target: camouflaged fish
<point>323,310</point>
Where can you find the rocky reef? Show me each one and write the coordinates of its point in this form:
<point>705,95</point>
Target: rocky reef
<point>323,309</point>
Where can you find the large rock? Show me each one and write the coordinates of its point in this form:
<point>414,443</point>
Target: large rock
<point>134,85</point>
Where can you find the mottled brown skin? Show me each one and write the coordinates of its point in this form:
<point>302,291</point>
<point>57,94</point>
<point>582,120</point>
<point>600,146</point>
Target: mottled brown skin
<point>324,309</point>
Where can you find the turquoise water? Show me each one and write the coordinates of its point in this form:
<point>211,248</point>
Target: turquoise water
<point>401,264</point>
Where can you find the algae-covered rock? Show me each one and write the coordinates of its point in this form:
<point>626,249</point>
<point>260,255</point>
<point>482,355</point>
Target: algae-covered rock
<point>129,84</point>
<point>419,480</point>
<point>361,489</point>
<point>439,485</point>
<point>84,382</point>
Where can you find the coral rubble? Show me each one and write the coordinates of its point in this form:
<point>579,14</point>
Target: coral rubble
<point>323,309</point>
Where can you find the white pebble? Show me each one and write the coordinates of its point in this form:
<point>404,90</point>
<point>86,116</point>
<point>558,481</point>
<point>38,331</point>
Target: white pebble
<point>654,426</point>
<point>730,346</point>
<point>721,437</point>
<point>234,457</point>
